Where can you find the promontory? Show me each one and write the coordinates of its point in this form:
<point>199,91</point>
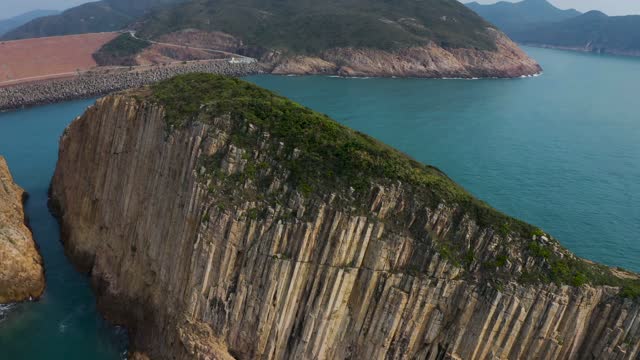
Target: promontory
<point>219,220</point>
<point>403,38</point>
<point>21,270</point>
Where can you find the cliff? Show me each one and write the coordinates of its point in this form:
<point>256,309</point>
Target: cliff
<point>21,271</point>
<point>219,220</point>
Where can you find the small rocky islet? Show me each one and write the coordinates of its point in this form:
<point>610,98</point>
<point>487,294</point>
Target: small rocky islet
<point>252,227</point>
<point>21,268</point>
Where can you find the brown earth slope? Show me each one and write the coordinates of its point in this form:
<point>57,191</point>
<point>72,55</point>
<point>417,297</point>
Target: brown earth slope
<point>42,58</point>
<point>21,271</point>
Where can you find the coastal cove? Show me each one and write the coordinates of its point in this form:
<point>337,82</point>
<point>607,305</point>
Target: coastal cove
<point>559,151</point>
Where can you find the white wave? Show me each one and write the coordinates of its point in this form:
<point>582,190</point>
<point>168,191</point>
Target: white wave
<point>4,310</point>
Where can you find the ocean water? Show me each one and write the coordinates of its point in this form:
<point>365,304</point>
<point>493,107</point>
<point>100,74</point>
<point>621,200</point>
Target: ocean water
<point>561,151</point>
<point>64,324</point>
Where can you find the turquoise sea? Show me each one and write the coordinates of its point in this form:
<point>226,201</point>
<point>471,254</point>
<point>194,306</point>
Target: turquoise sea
<point>561,151</point>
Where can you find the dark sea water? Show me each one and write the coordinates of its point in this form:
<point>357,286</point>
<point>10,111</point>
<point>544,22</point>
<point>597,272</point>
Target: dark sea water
<point>64,324</point>
<point>561,151</point>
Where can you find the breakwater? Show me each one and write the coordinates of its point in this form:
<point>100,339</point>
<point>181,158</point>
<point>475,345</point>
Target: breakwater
<point>97,83</point>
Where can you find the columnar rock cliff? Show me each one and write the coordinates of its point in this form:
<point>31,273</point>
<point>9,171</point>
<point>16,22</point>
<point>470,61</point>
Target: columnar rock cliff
<point>221,221</point>
<point>21,271</point>
<point>430,60</point>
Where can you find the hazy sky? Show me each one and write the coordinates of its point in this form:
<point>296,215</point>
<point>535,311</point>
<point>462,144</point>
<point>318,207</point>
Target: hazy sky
<point>9,8</point>
<point>611,7</point>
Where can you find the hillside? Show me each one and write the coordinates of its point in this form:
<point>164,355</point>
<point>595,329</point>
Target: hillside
<point>592,32</point>
<point>430,38</point>
<point>252,227</point>
<point>537,22</point>
<point>120,51</point>
<point>16,21</point>
<point>311,26</point>
<point>513,17</point>
<point>99,16</point>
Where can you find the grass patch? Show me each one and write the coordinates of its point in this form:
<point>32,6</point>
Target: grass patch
<point>120,51</point>
<point>574,271</point>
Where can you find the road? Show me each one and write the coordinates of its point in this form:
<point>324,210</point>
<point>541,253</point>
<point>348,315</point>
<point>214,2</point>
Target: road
<point>248,59</point>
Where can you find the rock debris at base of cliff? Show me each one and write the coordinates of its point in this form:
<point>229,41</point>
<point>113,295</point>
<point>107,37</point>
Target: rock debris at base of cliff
<point>220,221</point>
<point>21,270</point>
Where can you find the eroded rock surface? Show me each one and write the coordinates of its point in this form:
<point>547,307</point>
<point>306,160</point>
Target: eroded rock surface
<point>199,241</point>
<point>430,61</point>
<point>21,271</point>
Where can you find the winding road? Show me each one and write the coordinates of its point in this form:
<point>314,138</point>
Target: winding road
<point>246,58</point>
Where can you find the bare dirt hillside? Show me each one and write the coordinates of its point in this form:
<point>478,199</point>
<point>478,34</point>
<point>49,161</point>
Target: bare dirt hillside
<point>58,56</point>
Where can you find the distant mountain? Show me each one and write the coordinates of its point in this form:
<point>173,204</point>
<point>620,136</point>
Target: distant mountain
<point>593,32</point>
<point>537,22</point>
<point>12,23</point>
<point>514,17</point>
<point>99,16</point>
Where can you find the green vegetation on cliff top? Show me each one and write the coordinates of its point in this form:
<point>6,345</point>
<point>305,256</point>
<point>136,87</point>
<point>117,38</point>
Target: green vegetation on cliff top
<point>308,27</point>
<point>330,152</point>
<point>333,156</point>
<point>120,51</point>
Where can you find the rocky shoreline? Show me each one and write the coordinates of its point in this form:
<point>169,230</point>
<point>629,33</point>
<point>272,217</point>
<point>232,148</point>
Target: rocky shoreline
<point>430,61</point>
<point>21,269</point>
<point>98,83</point>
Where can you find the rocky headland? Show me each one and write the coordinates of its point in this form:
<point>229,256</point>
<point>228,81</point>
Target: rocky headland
<point>103,81</point>
<point>21,270</point>
<point>364,38</point>
<point>429,61</point>
<point>219,220</point>
<point>507,60</point>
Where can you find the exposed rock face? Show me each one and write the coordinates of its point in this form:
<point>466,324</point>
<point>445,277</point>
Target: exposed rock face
<point>21,271</point>
<point>185,260</point>
<point>431,61</point>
